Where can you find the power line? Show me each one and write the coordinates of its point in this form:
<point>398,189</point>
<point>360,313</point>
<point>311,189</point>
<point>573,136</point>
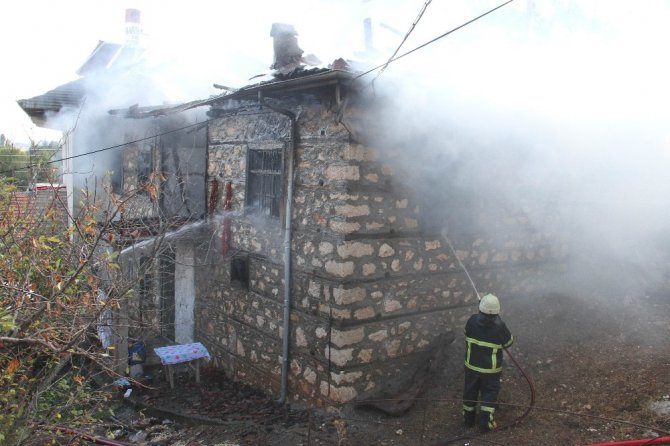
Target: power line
<point>130,142</point>
<point>416,21</point>
<point>108,148</point>
<point>434,40</point>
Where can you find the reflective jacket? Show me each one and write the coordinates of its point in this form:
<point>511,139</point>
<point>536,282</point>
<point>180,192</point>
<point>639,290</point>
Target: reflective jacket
<point>485,337</point>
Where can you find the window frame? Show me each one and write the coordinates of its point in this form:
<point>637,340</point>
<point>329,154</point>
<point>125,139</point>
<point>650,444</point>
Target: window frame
<point>259,176</point>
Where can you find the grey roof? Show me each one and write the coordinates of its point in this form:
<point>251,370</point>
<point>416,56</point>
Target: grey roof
<point>110,56</point>
<point>106,56</point>
<point>63,96</point>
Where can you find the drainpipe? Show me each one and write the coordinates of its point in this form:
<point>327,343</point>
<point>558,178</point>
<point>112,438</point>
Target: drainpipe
<point>287,244</point>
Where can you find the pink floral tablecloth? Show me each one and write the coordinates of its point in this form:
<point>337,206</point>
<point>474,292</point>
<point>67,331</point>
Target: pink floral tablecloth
<point>174,354</point>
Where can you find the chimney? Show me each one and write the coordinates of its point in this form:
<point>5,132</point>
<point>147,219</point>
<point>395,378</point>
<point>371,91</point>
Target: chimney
<point>133,30</point>
<point>367,34</point>
<point>287,54</point>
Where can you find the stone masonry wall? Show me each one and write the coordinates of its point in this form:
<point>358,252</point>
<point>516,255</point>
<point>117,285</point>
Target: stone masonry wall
<point>371,293</point>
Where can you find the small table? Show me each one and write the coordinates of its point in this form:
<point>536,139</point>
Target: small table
<point>176,354</point>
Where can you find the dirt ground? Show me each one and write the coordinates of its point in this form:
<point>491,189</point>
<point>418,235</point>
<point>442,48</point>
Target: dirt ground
<point>597,364</point>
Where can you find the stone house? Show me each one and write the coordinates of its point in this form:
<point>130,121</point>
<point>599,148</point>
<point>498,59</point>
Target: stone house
<point>315,274</point>
<point>284,234</point>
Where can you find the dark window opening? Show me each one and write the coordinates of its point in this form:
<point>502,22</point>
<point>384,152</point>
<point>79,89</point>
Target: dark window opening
<point>264,182</point>
<point>239,272</point>
<point>144,167</point>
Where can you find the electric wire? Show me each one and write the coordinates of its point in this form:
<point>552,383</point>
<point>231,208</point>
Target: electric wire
<point>167,132</point>
<point>416,21</point>
<point>116,146</point>
<point>433,40</point>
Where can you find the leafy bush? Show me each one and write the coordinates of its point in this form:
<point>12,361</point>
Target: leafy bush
<point>48,312</point>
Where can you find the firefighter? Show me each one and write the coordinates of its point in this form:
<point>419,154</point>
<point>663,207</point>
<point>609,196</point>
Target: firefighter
<point>485,337</point>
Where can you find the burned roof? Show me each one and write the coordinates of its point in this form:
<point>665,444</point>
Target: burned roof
<point>300,80</point>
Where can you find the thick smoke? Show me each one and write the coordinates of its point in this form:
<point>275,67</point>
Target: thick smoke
<point>556,110</point>
<point>93,130</point>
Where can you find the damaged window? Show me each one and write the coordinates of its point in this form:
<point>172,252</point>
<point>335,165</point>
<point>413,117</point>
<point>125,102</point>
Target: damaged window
<point>264,181</point>
<point>144,164</point>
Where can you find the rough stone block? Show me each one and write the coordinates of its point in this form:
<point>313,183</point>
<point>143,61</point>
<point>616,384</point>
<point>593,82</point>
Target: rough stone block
<point>339,357</point>
<point>348,337</point>
<point>386,250</point>
<point>378,336</point>
<point>346,296</point>
<point>343,173</point>
<point>344,227</point>
<point>364,313</point>
<point>340,269</point>
<point>354,249</point>
<point>353,211</point>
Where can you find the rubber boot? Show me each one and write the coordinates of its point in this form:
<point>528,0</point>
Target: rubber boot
<point>469,419</point>
<point>486,423</point>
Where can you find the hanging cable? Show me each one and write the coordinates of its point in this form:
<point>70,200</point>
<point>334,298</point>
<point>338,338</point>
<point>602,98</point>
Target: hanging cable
<point>434,40</point>
<point>107,148</point>
<point>416,21</point>
<point>202,123</point>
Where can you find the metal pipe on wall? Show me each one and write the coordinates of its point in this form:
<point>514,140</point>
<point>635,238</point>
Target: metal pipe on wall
<point>286,328</point>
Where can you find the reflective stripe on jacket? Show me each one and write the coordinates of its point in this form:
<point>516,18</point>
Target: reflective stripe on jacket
<point>485,337</point>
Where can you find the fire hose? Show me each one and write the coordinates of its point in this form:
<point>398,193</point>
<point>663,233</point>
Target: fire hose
<point>644,442</point>
<point>531,385</point>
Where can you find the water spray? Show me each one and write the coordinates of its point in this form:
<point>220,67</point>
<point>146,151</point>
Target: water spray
<point>458,259</point>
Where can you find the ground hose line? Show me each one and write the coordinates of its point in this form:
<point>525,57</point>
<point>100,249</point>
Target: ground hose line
<point>516,422</point>
<point>531,386</point>
<point>644,442</point>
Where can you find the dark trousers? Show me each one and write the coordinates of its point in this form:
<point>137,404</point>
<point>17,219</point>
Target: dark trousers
<point>488,386</point>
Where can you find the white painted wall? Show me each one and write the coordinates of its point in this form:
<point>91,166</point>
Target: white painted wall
<point>184,294</point>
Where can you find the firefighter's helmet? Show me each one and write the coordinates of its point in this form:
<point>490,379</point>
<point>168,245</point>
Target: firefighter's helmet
<point>489,304</point>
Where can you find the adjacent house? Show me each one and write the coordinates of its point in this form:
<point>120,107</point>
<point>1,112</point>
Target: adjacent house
<point>44,206</point>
